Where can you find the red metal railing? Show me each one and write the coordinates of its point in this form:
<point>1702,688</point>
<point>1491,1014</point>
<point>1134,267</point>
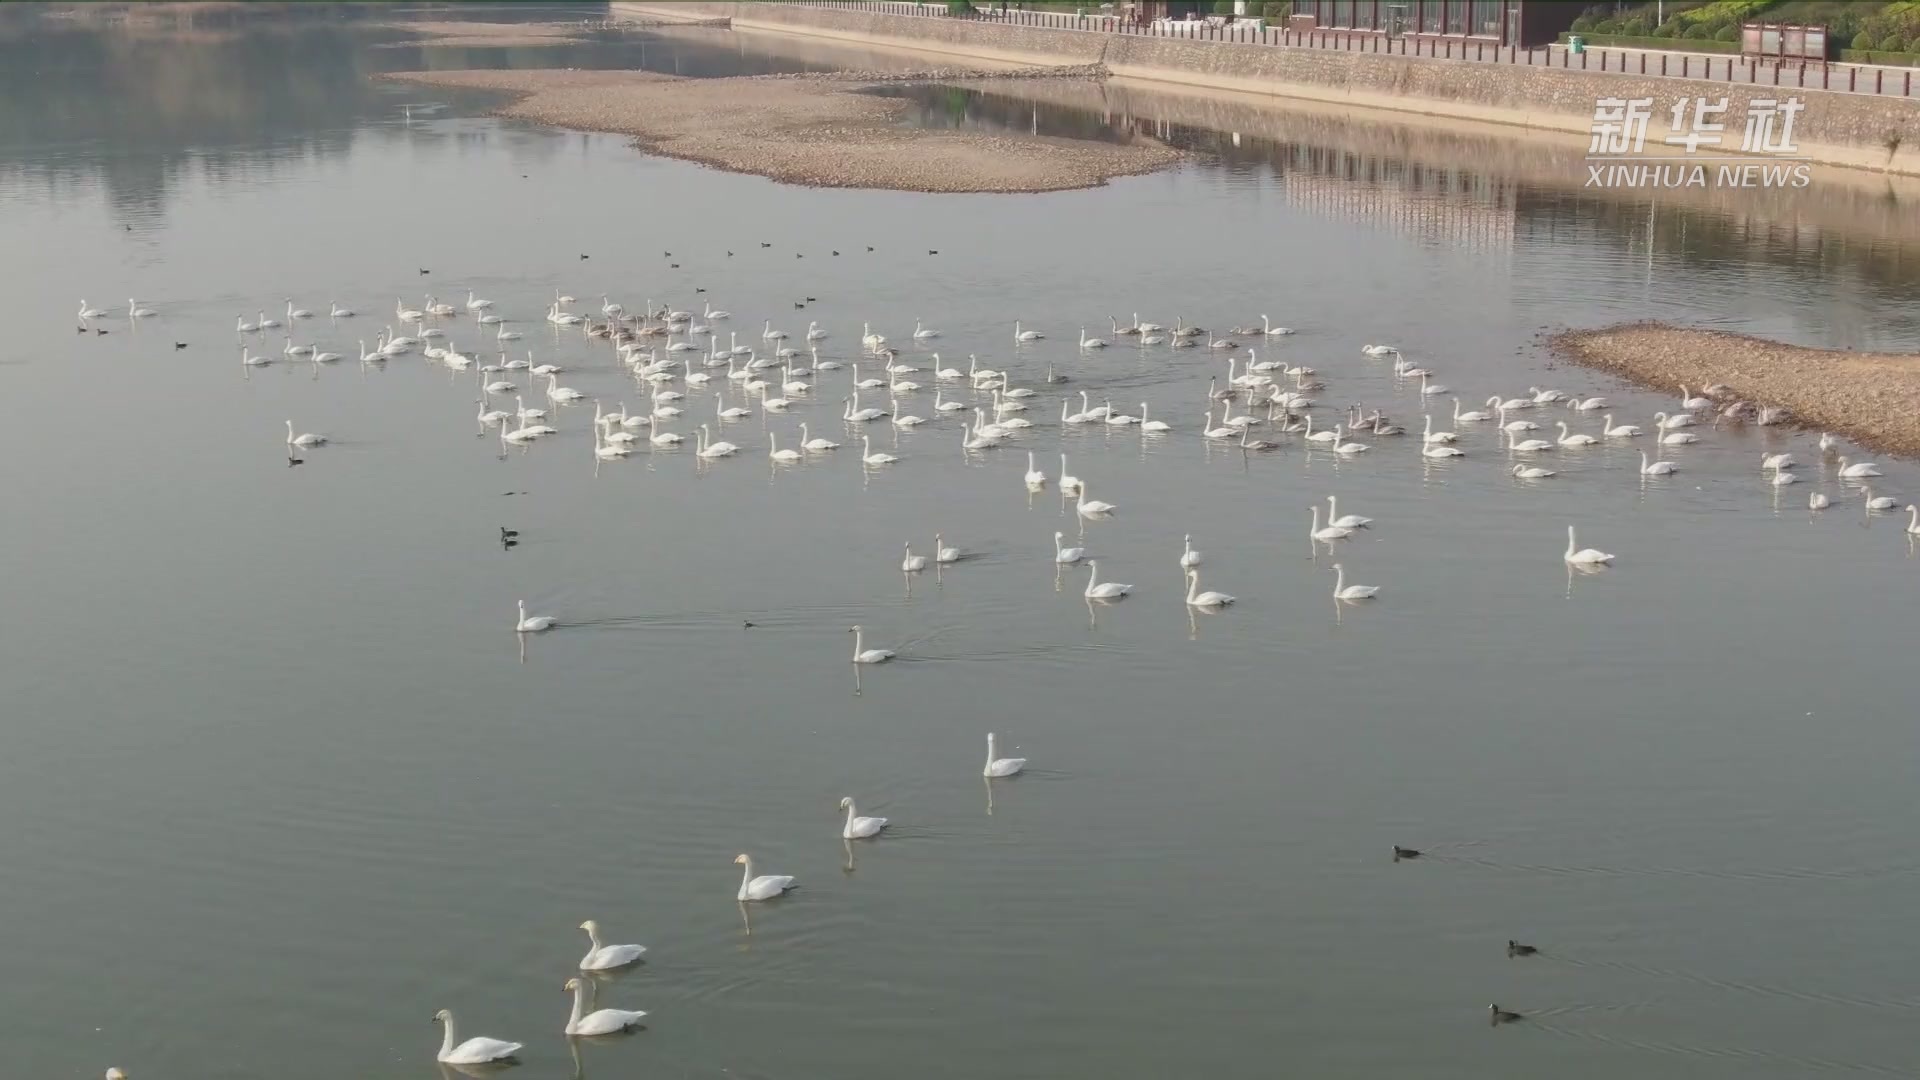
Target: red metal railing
<point>1795,74</point>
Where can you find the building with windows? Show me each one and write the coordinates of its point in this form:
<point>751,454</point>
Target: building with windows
<point>1525,23</point>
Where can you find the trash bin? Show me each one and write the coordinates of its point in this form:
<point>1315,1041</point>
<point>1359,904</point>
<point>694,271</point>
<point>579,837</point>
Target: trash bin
<point>1576,43</point>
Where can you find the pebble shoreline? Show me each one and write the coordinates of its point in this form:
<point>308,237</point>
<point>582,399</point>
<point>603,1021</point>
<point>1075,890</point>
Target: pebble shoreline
<point>815,129</point>
<point>1872,398</point>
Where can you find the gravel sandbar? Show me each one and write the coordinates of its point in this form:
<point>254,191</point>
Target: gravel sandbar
<point>485,34</point>
<point>819,131</point>
<point>1873,398</point>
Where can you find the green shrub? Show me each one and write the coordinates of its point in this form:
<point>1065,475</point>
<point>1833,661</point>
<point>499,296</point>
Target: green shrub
<point>1583,24</point>
<point>1634,26</point>
<point>1864,40</point>
<point>1698,32</point>
<point>1664,30</point>
<point>1727,33</point>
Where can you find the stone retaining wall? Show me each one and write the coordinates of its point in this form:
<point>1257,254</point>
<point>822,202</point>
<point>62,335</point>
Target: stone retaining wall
<point>1856,130</point>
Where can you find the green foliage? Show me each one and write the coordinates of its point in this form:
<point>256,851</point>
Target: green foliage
<point>1698,32</point>
<point>1664,30</point>
<point>1584,24</point>
<point>1635,26</point>
<point>1864,40</point>
<point>1223,7</point>
<point>1727,33</point>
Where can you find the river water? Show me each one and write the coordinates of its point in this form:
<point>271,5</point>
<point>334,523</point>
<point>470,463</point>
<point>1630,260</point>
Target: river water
<point>280,779</point>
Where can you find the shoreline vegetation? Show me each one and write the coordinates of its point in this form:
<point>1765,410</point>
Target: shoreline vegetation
<point>1872,398</point>
<point>819,130</point>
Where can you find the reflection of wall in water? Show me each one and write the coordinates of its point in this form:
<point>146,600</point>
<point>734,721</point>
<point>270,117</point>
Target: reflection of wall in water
<point>1454,207</point>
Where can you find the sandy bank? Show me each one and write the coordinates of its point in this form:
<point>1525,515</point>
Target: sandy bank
<point>1873,398</point>
<point>483,34</point>
<point>819,131</point>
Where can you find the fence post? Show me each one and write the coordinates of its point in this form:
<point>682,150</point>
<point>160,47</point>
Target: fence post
<point>1879,77</point>
<point>1907,91</point>
<point>1853,78</point>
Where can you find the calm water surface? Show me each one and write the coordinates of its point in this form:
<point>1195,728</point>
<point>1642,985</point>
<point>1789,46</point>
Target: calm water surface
<point>280,781</point>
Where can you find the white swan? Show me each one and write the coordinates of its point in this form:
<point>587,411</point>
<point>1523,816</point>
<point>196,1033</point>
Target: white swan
<point>665,438</point>
<point>863,655</point>
<point>1584,556</point>
<point>1913,523</point>
<point>476,304</point>
<point>1828,442</point>
<point>1029,335</point>
<point>1196,598</point>
<point>600,1021</point>
<point>911,563</point>
<point>533,624</point>
<point>1090,507</point>
<point>135,311</point>
<point>1515,442</point>
<point>556,392</point>
<point>768,333</point>
<point>1347,447</point>
<point>1268,328</point>
<point>1330,533</point>
<point>922,333</point>
<point>1147,425</point>
<point>1344,591</point>
<point>308,439</point>
<point>1623,431</point>
<point>1090,343</point>
<point>1858,468</point>
<point>1817,501</point>
<point>874,457</point>
<point>1191,557</point>
<point>763,887</point>
<point>1428,435</point>
<point>1379,350</point>
<point>943,553</point>
<point>95,313</point>
<point>1656,468</point>
<point>815,443</point>
<point>777,454</point>
<point>338,312</point>
<point>1000,766</point>
<point>607,957</point>
<point>1689,401</point>
<point>1668,422</point>
<point>1781,478</point>
<point>714,449</point>
<point>1035,478</point>
<point>1475,416</point>
<point>1428,389</point>
<point>1068,555</point>
<point>1878,502</point>
<point>1438,450</point>
<point>1225,430</point>
<point>1776,461</point>
<point>1574,440</point>
<point>1678,438</point>
<point>478,1050</point>
<point>1344,521</point>
<point>857,827</point>
<point>1068,482</point>
<point>1591,404</point>
<point>1531,472</point>
<point>1102,590</point>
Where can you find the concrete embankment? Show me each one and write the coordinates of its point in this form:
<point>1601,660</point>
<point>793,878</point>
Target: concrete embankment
<point>1855,130</point>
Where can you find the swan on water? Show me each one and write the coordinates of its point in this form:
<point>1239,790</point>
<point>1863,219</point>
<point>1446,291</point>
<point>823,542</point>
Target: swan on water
<point>600,1021</point>
<point>1436,450</point>
<point>1781,478</point>
<point>1656,468</point>
<point>1584,556</point>
<point>1000,766</point>
<point>1344,591</point>
<point>478,1050</point>
<point>1858,468</point>
<point>530,624</point>
<point>911,563</point>
<point>1068,483</point>
<point>1475,416</point>
<point>1573,440</point>
<point>1344,521</point>
<point>1428,435</point>
<point>1913,523</point>
<point>1089,507</point>
<point>817,442</point>
<point>764,886</point>
<point>1531,472</point>
<point>607,957</point>
<point>1427,388</point>
<point>1066,554</point>
<point>1878,502</point>
<point>870,456</point>
<point>1102,590</point>
<point>777,454</point>
<point>1818,501</point>
<point>857,827</point>
<point>1191,557</point>
<point>922,333</point>
<point>1224,431</point>
<point>307,439</point>
<point>1035,478</point>
<point>1828,442</point>
<point>1587,404</point>
<point>714,449</point>
<point>863,655</point>
<point>1515,442</point>
<point>1090,342</point>
<point>1689,401</point>
<point>1268,328</point>
<point>1678,438</point>
<point>1622,431</point>
<point>135,311</point>
<point>1670,421</point>
<point>943,553</point>
<point>1777,461</point>
<point>1340,447</point>
<point>1195,598</point>
<point>1331,532</point>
